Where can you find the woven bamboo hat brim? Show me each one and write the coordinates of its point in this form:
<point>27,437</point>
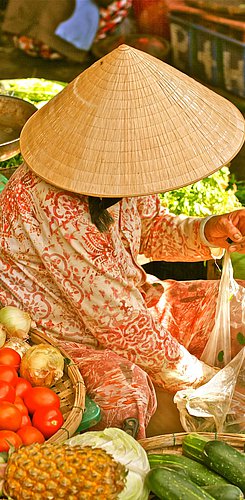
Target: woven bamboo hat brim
<point>131,125</point>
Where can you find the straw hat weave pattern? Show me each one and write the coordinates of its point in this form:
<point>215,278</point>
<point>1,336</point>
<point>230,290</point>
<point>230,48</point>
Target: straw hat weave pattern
<point>131,125</point>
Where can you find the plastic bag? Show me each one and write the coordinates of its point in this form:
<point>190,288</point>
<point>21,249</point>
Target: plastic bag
<point>218,348</point>
<point>218,405</point>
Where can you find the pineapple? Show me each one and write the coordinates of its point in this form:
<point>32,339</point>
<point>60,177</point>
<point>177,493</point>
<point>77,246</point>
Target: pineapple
<point>47,472</point>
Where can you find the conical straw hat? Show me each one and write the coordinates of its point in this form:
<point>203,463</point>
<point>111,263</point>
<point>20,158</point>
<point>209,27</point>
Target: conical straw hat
<point>131,125</point>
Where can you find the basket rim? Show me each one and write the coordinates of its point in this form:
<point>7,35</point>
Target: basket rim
<point>174,440</point>
<point>74,418</point>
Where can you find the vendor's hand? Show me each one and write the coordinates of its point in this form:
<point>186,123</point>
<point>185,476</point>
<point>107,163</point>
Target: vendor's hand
<point>232,225</point>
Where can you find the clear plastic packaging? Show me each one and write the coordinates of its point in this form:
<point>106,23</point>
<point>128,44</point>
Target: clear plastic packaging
<point>218,405</point>
<point>230,317</point>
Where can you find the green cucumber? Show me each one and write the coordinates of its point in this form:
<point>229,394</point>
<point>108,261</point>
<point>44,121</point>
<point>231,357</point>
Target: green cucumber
<point>197,472</point>
<point>193,446</point>
<point>226,461</point>
<point>175,468</point>
<point>170,485</point>
<point>224,492</point>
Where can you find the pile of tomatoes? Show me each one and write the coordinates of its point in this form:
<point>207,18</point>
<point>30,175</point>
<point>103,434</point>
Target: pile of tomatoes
<point>27,414</point>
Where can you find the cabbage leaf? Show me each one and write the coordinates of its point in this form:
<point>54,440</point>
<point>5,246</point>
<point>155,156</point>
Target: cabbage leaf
<point>125,450</point>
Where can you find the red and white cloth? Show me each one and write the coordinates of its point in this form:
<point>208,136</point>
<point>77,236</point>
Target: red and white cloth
<point>111,17</point>
<point>126,330</point>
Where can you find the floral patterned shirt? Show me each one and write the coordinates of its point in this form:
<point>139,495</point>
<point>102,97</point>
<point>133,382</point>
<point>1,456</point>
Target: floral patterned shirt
<point>80,285</point>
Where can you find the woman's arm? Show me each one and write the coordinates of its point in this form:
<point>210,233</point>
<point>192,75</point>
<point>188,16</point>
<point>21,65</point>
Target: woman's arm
<point>170,237</point>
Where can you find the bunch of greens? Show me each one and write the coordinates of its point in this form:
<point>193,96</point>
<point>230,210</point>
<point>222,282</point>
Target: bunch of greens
<point>34,90</point>
<point>12,162</point>
<point>214,194</point>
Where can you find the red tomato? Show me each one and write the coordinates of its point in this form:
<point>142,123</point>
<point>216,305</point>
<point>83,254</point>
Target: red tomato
<point>30,434</point>
<point>19,403</point>
<point>41,397</point>
<point>7,392</point>
<point>8,374</point>
<point>9,438</point>
<point>10,416</point>
<point>22,387</point>
<point>48,421</point>
<point>25,421</point>
<point>10,357</point>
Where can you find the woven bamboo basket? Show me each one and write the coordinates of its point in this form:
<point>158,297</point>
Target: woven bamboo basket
<point>70,389</point>
<point>172,443</point>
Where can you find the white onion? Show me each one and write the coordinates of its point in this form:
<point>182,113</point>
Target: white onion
<point>42,365</point>
<point>16,322</point>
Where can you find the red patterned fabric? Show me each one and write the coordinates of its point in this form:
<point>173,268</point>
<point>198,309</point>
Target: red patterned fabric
<point>35,48</point>
<point>111,16</point>
<point>126,330</point>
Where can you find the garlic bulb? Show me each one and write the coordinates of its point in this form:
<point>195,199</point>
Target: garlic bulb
<point>42,365</point>
<point>16,322</point>
<point>18,345</point>
<point>3,335</point>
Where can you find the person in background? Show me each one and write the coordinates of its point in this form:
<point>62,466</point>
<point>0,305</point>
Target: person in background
<point>61,29</point>
<point>75,217</point>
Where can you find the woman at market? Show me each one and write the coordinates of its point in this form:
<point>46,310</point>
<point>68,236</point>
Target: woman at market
<point>63,28</point>
<point>84,205</point>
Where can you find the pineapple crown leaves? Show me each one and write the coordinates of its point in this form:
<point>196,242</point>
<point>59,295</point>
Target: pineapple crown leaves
<point>11,449</point>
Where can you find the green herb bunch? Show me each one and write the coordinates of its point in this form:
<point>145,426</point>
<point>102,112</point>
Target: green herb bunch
<point>213,195</point>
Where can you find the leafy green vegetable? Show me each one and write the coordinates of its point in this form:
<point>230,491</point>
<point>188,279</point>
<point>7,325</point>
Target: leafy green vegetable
<point>34,90</point>
<point>206,197</point>
<point>12,162</point>
<point>126,450</point>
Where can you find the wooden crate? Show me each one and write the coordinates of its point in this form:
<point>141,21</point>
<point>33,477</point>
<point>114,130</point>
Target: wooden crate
<point>209,48</point>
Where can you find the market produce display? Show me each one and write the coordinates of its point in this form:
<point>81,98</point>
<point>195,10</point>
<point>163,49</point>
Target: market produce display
<point>101,465</point>
<point>23,406</point>
<point>207,468</point>
<point>29,408</point>
<point>107,464</point>
<point>30,413</point>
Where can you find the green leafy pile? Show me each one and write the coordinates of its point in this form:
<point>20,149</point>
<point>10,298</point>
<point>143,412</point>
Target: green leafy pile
<point>12,162</point>
<point>34,90</point>
<point>212,195</point>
